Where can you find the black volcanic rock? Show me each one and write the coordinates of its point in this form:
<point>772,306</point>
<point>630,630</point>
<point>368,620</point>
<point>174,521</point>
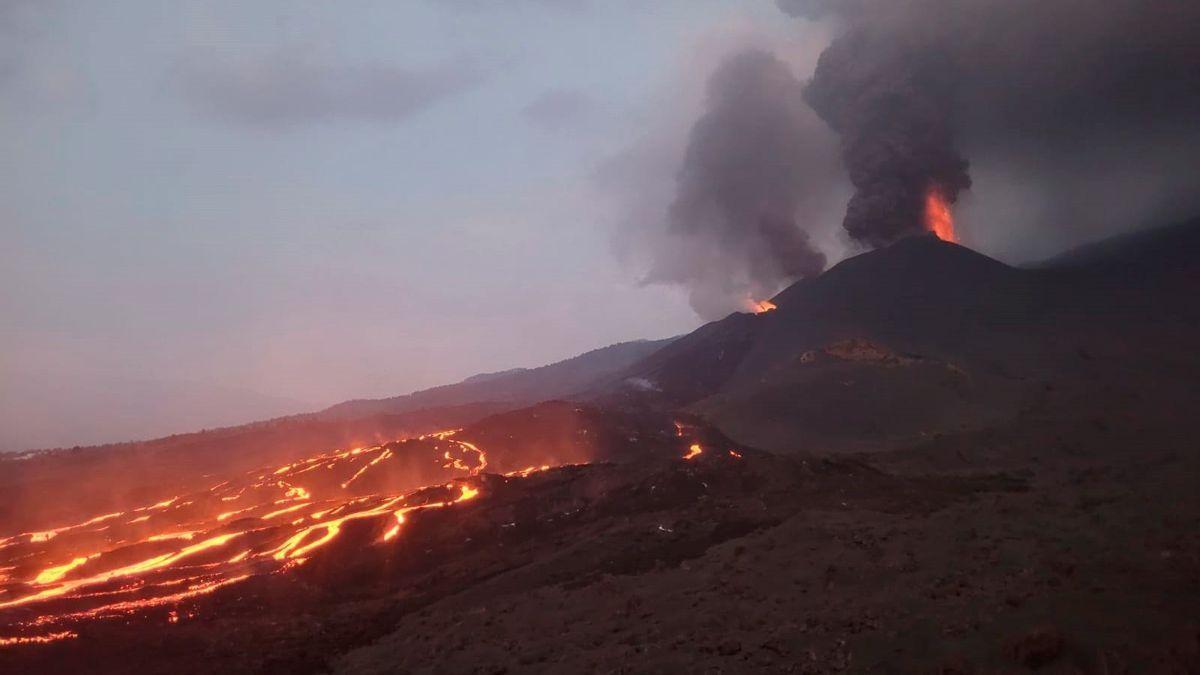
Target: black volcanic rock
<point>980,338</point>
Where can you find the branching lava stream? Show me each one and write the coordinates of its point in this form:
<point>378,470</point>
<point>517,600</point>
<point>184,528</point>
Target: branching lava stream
<point>263,522</point>
<point>154,557</point>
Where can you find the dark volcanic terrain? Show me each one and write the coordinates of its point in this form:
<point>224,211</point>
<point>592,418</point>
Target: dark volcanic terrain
<point>922,461</point>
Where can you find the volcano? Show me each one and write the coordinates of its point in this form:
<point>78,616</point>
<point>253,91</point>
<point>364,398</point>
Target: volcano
<point>926,337</point>
<point>922,460</point>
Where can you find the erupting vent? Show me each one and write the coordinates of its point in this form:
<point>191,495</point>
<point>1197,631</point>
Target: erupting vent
<point>758,306</point>
<point>938,217</point>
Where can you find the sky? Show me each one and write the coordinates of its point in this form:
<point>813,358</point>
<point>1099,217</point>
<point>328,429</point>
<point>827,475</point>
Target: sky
<point>220,211</point>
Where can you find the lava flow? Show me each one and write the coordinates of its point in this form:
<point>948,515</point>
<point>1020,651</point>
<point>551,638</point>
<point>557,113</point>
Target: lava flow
<point>155,560</point>
<point>758,306</point>
<point>938,218</point>
<point>263,522</point>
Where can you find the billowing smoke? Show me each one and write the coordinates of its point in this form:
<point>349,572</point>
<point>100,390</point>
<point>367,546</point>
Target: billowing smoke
<point>750,167</point>
<point>892,112</point>
<point>1077,119</point>
<point>1045,92</point>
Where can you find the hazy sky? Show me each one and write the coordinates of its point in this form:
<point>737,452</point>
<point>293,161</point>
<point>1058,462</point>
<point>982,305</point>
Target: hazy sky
<point>219,211</point>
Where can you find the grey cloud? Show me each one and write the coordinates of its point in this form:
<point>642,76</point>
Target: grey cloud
<point>34,78</point>
<point>290,88</point>
<point>557,109</point>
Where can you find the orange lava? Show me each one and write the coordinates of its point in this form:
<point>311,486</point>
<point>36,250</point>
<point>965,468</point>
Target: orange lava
<point>37,639</point>
<point>757,306</point>
<point>158,557</point>
<point>523,473</point>
<point>162,554</point>
<point>938,217</point>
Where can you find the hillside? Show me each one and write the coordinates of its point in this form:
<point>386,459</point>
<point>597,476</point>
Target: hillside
<point>927,337</point>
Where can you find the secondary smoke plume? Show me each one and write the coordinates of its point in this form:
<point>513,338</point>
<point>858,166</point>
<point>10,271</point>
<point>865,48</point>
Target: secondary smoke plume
<point>749,168</point>
<point>914,87</point>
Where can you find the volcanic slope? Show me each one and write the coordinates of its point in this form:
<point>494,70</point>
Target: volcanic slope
<point>510,388</point>
<point>121,474</point>
<point>926,337</point>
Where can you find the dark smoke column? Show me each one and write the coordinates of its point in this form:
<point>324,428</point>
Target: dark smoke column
<point>891,104</point>
<point>1089,108</point>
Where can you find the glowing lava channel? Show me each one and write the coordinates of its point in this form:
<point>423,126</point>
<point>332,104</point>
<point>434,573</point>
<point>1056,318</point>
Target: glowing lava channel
<point>199,546</point>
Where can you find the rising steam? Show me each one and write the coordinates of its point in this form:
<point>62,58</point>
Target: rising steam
<point>748,171</point>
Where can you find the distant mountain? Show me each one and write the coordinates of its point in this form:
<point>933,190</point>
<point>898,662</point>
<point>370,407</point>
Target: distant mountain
<point>173,460</point>
<point>926,337</point>
<point>516,387</point>
<point>484,377</point>
<point>1162,250</point>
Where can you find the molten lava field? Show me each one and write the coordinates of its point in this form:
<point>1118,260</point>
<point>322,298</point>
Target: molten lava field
<point>559,538</point>
<point>171,564</point>
<point>161,554</point>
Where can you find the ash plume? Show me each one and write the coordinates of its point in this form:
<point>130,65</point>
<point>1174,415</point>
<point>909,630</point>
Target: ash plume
<point>1043,90</point>
<point>892,113</point>
<point>750,167</point>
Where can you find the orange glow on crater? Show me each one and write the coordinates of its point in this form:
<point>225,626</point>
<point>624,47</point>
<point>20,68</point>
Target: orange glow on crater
<point>938,217</point>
